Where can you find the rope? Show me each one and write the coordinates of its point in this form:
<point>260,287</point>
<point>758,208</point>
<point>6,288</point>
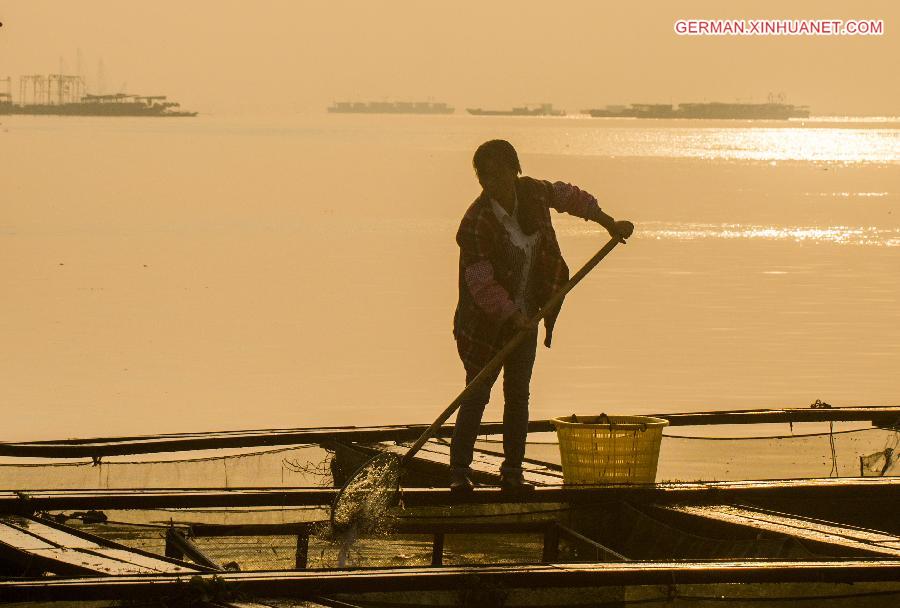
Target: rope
<point>830,433</point>
<point>834,464</point>
<point>490,515</point>
<point>240,510</point>
<point>113,522</point>
<point>158,462</point>
<point>714,438</point>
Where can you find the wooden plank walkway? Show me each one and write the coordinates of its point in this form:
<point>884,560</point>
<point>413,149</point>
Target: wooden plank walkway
<point>839,538</point>
<point>328,582</point>
<point>118,446</point>
<point>44,546</point>
<point>878,415</point>
<point>862,490</point>
<point>99,447</point>
<point>485,464</point>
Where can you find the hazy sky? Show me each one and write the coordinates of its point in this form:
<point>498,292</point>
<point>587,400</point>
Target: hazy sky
<point>285,56</point>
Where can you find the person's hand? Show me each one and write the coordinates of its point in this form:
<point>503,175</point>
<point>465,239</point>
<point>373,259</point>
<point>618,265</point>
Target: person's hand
<point>514,323</point>
<point>517,321</point>
<point>621,230</point>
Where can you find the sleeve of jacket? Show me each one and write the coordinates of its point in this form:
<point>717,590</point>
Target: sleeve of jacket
<point>570,199</point>
<point>476,250</point>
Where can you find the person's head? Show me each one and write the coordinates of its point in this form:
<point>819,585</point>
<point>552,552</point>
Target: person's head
<point>497,165</point>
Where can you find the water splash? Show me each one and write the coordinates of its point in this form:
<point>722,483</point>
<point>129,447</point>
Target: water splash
<point>365,506</point>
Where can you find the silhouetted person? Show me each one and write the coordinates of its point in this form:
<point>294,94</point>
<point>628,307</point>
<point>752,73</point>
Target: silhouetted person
<point>509,266</point>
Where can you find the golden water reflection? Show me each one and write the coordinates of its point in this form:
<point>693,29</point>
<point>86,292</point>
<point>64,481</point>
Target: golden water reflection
<point>844,144</point>
<point>844,235</point>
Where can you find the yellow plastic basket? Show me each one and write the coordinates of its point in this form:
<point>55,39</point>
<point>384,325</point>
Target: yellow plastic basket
<point>609,449</point>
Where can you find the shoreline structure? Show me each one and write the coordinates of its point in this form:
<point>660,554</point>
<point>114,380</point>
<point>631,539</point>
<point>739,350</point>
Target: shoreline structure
<point>66,95</point>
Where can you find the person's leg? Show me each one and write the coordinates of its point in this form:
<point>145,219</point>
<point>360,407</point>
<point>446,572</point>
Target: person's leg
<point>468,420</point>
<point>516,382</point>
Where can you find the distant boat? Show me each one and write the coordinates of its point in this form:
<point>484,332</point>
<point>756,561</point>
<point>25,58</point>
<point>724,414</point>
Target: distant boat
<point>713,110</point>
<point>544,109</point>
<point>390,107</point>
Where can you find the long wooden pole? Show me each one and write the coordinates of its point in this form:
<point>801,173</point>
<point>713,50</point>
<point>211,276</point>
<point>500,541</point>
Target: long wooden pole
<point>877,494</point>
<point>313,583</point>
<point>495,363</point>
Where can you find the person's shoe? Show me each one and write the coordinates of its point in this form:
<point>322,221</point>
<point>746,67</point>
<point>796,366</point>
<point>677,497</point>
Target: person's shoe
<point>514,481</point>
<point>460,482</point>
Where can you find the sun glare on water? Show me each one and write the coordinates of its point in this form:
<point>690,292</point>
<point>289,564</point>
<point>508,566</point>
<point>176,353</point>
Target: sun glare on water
<point>818,144</point>
<point>742,141</point>
<point>845,235</point>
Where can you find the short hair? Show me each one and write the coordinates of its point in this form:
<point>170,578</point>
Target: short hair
<point>499,151</point>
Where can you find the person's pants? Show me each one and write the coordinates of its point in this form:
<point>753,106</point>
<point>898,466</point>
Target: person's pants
<point>516,380</point>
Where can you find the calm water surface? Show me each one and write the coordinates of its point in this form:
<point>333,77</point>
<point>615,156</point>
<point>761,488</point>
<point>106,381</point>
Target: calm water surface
<point>218,273</point>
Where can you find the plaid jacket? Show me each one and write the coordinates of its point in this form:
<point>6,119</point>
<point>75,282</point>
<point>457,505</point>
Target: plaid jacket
<point>485,277</point>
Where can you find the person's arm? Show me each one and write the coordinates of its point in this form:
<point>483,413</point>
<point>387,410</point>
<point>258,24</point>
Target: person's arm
<point>488,294</point>
<point>570,199</point>
<point>478,272</point>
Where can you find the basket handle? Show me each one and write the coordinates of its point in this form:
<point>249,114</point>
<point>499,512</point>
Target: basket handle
<point>643,425</point>
<point>602,415</point>
<point>612,424</point>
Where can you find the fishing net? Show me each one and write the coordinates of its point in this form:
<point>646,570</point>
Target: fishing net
<point>364,505</point>
<point>883,462</point>
<point>295,466</point>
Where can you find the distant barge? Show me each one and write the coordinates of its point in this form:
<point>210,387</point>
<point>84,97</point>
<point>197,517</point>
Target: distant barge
<point>544,109</point>
<point>390,107</point>
<point>714,110</point>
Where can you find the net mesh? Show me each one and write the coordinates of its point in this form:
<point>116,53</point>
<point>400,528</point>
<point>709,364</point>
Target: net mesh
<point>280,467</point>
<point>279,552</point>
<point>882,462</point>
<point>275,552</point>
<point>813,452</point>
<point>807,450</point>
